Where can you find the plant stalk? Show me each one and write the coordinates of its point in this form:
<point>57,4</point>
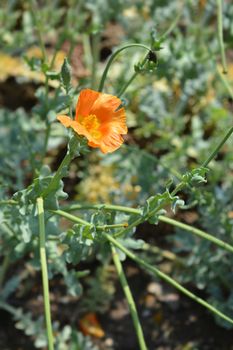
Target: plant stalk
<point>129,298</point>
<point>220,36</point>
<point>176,223</point>
<point>218,147</point>
<point>113,56</point>
<point>166,278</point>
<point>44,269</point>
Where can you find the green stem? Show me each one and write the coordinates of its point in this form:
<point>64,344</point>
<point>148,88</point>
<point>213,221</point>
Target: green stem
<point>216,150</point>
<point>220,36</point>
<point>166,278</point>
<point>102,206</point>
<point>86,223</point>
<point>39,29</point>
<point>188,228</point>
<point>58,175</point>
<point>197,232</point>
<point>95,58</point>
<point>132,78</point>
<point>130,300</point>
<point>173,24</point>
<point>164,253</point>
<point>40,208</point>
<point>8,202</point>
<point>225,83</point>
<point>70,154</point>
<point>163,37</point>
<point>113,56</point>
<point>87,51</point>
<point>47,134</point>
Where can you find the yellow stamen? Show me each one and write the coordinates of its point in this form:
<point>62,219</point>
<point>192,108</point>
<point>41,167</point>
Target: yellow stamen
<point>91,124</point>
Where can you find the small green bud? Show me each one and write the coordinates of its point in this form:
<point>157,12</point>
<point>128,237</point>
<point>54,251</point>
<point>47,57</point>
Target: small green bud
<point>66,75</point>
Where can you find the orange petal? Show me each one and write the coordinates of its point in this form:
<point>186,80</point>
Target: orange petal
<point>86,100</point>
<point>105,106</point>
<point>90,325</point>
<point>77,127</point>
<point>111,143</point>
<point>117,123</point>
<point>66,121</point>
<point>93,144</point>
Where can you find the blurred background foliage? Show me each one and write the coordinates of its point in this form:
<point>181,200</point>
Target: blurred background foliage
<point>176,115</point>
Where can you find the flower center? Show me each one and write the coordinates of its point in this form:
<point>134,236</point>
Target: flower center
<point>91,124</point>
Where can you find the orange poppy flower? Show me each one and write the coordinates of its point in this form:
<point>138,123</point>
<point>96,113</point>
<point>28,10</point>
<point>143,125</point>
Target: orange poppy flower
<point>99,120</point>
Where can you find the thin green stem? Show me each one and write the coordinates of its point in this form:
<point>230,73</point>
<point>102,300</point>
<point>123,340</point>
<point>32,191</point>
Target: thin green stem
<point>123,89</point>
<point>46,141</point>
<point>73,207</point>
<point>86,223</point>
<point>58,175</point>
<point>129,298</point>
<point>225,83</point>
<point>188,228</point>
<point>95,58</point>
<point>39,29</point>
<point>163,253</point>
<point>166,278</point>
<point>220,36</point>
<point>87,50</point>
<point>197,232</point>
<point>8,202</point>
<point>218,147</point>
<point>173,24</point>
<point>70,154</point>
<point>44,269</point>
<point>139,220</point>
<point>113,56</point>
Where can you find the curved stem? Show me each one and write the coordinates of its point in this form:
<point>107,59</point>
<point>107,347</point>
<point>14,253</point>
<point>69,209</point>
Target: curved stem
<point>44,269</point>
<point>166,278</point>
<point>131,79</point>
<point>113,56</point>
<point>129,297</point>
